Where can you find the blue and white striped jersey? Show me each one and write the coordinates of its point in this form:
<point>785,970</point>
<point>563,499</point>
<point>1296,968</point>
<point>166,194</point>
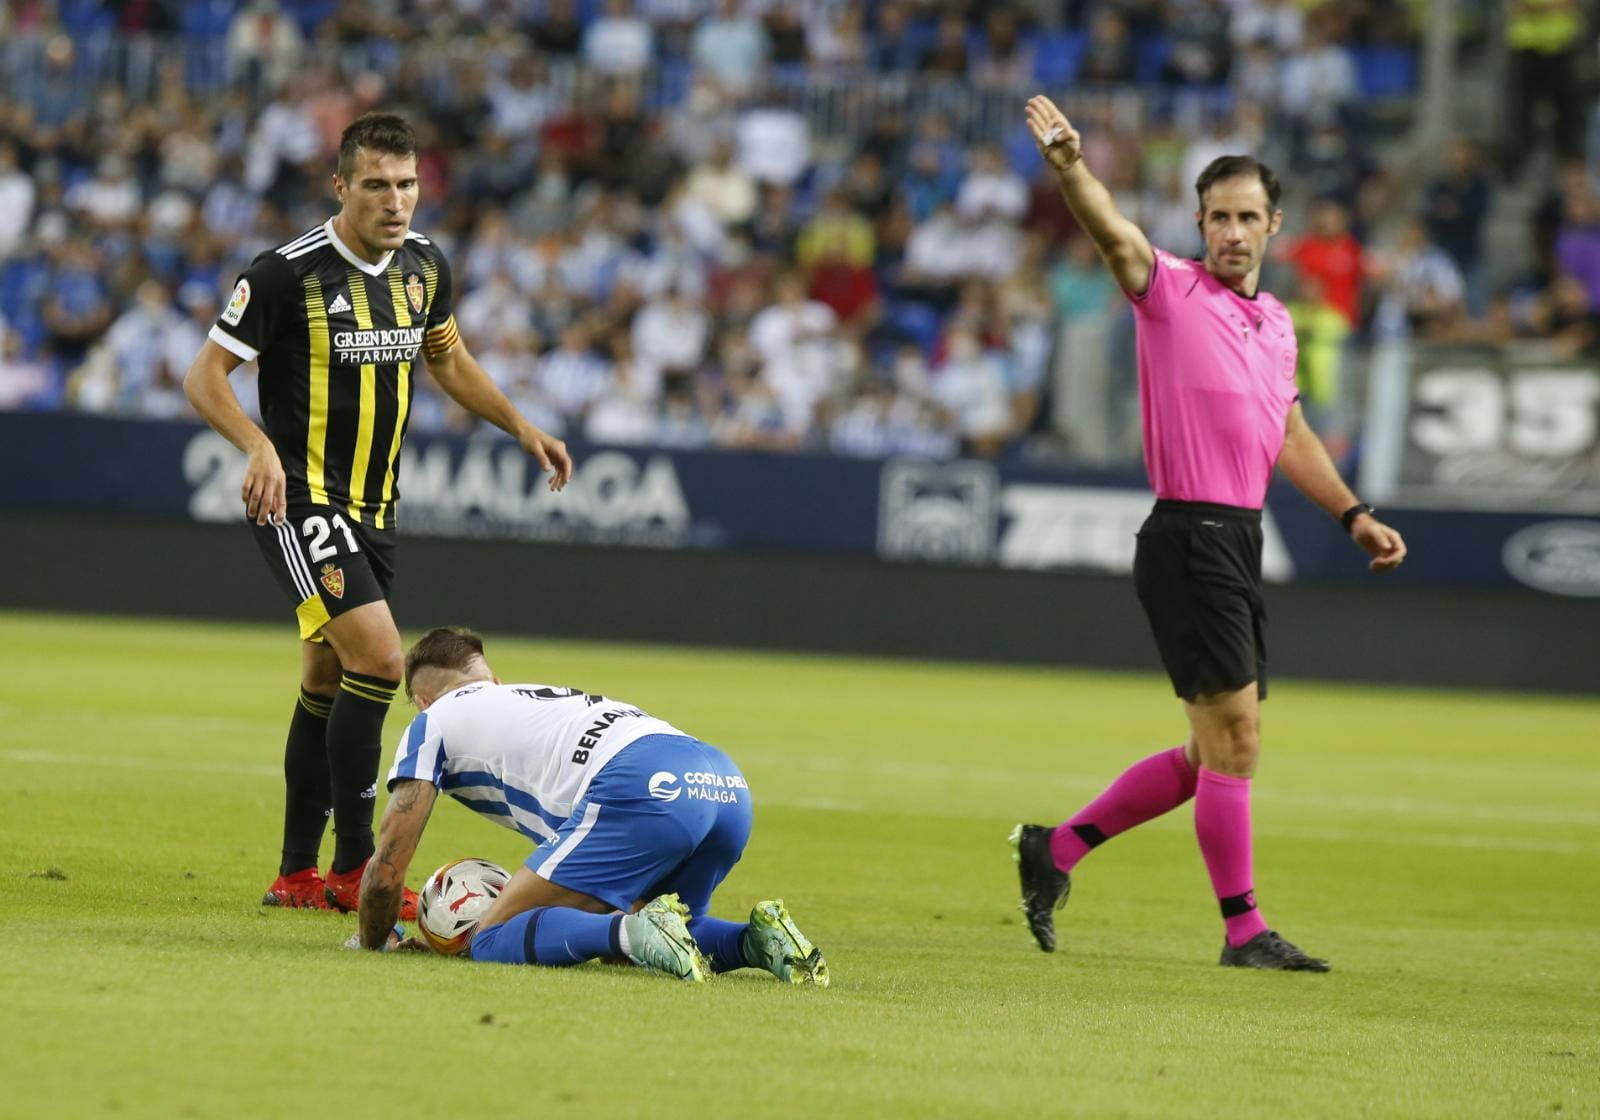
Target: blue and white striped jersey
<point>521,754</point>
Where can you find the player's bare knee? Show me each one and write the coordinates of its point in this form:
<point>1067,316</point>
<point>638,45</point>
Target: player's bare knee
<point>384,661</point>
<point>321,680</point>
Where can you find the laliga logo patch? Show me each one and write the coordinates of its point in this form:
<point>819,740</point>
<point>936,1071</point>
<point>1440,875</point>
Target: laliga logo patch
<point>333,580</point>
<point>237,303</point>
<point>415,292</point>
<point>659,781</point>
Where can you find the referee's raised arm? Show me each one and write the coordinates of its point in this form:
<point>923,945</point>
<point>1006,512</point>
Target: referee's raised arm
<point>1122,244</point>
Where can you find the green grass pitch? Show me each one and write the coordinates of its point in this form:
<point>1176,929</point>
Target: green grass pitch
<point>1442,849</point>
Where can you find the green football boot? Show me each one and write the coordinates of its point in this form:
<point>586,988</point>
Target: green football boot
<point>658,941</point>
<point>775,943</point>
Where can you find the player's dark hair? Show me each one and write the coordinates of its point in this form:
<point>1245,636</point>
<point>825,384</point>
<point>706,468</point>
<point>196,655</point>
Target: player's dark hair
<point>376,132</point>
<point>1237,167</point>
<point>443,647</point>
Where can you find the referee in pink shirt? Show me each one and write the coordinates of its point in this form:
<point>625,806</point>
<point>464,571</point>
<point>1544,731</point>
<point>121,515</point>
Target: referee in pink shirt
<point>1217,392</point>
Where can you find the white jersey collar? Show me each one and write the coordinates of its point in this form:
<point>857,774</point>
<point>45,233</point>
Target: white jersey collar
<point>349,254</point>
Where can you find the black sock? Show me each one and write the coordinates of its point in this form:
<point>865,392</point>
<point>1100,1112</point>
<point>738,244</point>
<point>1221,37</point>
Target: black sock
<point>355,748</point>
<point>308,794</point>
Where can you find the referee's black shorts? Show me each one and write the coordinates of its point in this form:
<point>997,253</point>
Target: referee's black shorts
<point>327,563</point>
<point>1197,568</point>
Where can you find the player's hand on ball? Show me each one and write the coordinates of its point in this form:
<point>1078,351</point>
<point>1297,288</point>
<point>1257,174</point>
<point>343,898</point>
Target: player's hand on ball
<point>1058,141</point>
<point>1380,542</point>
<point>397,940</point>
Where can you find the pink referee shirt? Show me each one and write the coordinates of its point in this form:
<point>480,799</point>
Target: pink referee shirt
<point>1216,382</point>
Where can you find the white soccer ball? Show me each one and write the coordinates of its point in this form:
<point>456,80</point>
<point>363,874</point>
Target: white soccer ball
<point>455,899</point>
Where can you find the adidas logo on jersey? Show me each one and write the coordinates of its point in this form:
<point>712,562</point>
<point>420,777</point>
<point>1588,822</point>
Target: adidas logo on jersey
<point>339,304</point>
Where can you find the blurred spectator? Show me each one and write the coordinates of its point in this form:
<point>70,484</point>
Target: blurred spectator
<point>1329,255</point>
<point>670,338</point>
<point>836,37</point>
<point>137,342</point>
<point>1108,54</point>
<point>992,189</point>
<point>25,383</point>
<point>1319,80</point>
<point>623,414</point>
<point>494,311</point>
<point>1277,25</point>
<point>795,338</point>
<point>1166,214</point>
<point>777,223</point>
<point>572,377</point>
<point>1322,331</point>
<point>728,189</point>
<point>1578,241</point>
<point>1457,207</point>
<point>1565,315</point>
<point>946,56</point>
<point>521,101</point>
<point>971,386</point>
<point>1424,294</point>
<point>774,144</point>
<point>1006,61</point>
<point>263,44</point>
<point>78,306</point>
<point>786,32</point>
<point>560,32</point>
<point>894,47</point>
<point>732,47</point>
<point>112,198</point>
<point>1201,48</point>
<point>618,42</point>
<point>1330,164</point>
<point>1547,41</point>
<point>17,194</point>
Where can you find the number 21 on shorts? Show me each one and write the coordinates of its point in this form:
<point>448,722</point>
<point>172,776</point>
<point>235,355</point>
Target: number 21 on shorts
<point>317,531</point>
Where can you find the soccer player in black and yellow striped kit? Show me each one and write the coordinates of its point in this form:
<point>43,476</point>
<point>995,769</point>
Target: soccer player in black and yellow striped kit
<point>336,320</point>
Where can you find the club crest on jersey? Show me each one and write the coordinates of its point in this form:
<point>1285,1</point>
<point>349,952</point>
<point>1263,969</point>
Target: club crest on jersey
<point>333,580</point>
<point>415,292</point>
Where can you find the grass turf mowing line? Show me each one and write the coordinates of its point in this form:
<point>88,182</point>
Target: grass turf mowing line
<point>1440,848</point>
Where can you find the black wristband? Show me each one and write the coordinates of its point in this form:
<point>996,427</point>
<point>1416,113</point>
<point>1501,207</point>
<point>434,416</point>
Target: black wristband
<point>1348,517</point>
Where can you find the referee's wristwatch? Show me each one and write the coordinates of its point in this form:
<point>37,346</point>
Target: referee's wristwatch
<point>1348,517</point>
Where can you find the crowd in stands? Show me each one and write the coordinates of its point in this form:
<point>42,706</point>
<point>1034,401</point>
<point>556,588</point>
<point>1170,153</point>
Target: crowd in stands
<point>740,223</point>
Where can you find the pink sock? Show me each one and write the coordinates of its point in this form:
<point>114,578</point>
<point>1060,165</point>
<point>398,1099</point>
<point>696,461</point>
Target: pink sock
<point>1222,825</point>
<point>1146,789</point>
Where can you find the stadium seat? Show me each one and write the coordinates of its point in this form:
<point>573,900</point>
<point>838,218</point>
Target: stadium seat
<point>208,19</point>
<point>1022,155</point>
<point>308,14</point>
<point>1057,55</point>
<point>1385,72</point>
<point>84,17</point>
<point>916,322</point>
<point>1150,58</point>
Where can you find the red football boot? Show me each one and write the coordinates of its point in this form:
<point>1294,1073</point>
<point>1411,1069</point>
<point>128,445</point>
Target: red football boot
<point>343,893</point>
<point>304,890</point>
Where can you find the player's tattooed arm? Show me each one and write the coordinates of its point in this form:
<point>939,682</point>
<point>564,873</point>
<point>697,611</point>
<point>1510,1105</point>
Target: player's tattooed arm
<point>383,883</point>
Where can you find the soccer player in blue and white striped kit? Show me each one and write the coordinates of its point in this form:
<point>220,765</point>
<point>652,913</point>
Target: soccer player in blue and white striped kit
<point>625,809</point>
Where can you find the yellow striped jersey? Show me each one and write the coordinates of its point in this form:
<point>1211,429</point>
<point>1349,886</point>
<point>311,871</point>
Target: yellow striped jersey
<point>336,340</point>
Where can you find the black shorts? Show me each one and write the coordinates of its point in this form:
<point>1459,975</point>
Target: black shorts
<point>1197,568</point>
<point>327,562</point>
